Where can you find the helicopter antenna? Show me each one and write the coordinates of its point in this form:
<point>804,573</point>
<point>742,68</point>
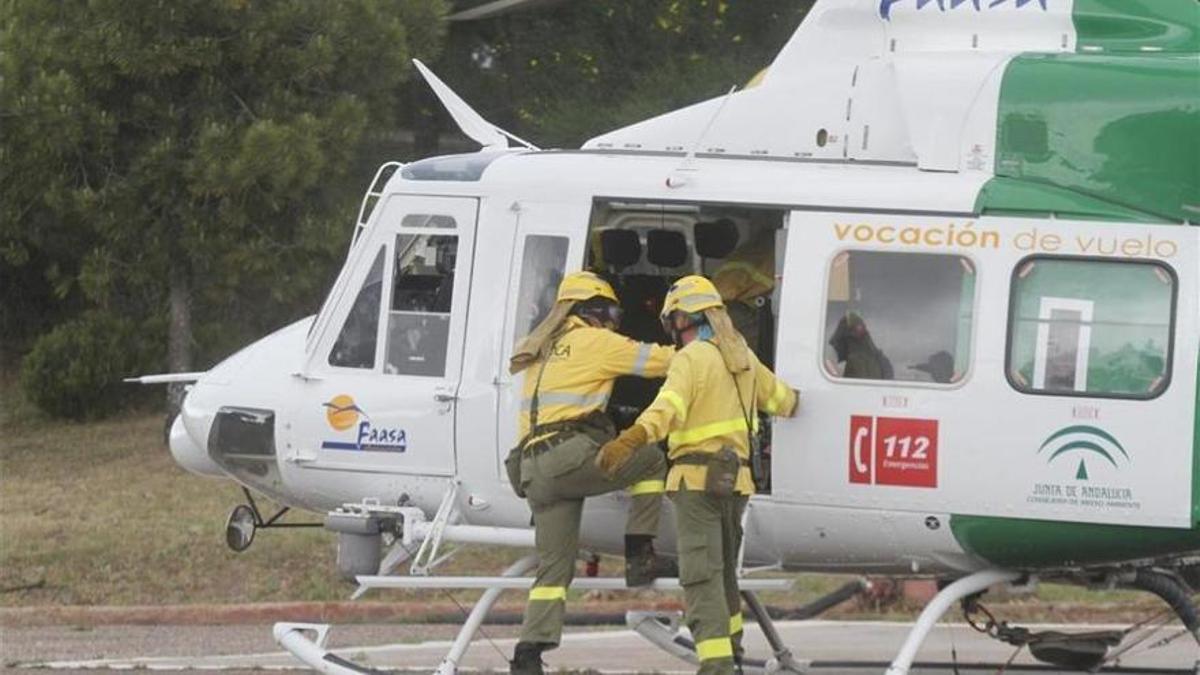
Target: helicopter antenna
<point>675,180</point>
<point>470,122</point>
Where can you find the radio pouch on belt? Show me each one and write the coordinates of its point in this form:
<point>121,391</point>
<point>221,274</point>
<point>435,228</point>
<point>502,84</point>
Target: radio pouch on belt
<point>721,475</point>
<point>512,463</point>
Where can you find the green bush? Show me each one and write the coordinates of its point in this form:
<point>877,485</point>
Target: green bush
<point>75,370</point>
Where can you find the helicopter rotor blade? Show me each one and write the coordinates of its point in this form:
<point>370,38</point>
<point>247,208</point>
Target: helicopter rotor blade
<point>496,8</point>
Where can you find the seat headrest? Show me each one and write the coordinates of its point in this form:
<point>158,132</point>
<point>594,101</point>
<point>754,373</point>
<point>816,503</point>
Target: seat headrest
<point>716,239</point>
<point>666,248</point>
<point>620,248</point>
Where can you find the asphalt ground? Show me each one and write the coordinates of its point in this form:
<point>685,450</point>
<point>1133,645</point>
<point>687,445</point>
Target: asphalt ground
<point>835,647</point>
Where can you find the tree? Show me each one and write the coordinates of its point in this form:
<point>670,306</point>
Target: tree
<point>185,161</point>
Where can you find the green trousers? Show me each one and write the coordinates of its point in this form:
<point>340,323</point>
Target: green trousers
<point>710,536</point>
<point>555,483</point>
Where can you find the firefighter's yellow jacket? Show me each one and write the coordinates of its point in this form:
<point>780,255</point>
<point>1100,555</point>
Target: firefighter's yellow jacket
<point>697,411</point>
<point>579,374</point>
<point>747,274</point>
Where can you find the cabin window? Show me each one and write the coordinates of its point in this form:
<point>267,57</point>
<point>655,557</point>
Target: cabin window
<point>422,296</point>
<point>1091,327</point>
<point>899,316</point>
<point>355,345</point>
<point>542,266</point>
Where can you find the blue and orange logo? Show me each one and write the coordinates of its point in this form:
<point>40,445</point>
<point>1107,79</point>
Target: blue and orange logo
<point>343,414</point>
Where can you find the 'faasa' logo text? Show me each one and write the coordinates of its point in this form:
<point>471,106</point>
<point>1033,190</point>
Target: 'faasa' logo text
<point>343,414</point>
<point>885,6</point>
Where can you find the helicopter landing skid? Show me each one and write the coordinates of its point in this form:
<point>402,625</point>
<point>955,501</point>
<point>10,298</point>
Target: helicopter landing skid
<point>663,630</point>
<point>312,652</point>
<point>307,641</point>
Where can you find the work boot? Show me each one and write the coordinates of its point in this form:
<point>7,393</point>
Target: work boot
<point>527,659</point>
<point>642,565</point>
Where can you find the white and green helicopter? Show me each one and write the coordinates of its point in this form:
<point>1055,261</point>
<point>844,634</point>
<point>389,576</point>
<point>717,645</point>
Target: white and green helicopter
<point>989,200</point>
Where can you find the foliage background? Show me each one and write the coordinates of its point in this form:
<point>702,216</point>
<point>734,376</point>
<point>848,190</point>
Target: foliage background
<point>192,168</point>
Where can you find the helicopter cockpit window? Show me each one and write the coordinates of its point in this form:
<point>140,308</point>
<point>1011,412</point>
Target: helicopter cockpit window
<point>899,316</point>
<point>542,267</point>
<point>355,345</point>
<point>422,293</point>
<point>1091,327</point>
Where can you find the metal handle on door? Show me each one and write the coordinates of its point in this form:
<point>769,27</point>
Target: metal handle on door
<point>444,398</point>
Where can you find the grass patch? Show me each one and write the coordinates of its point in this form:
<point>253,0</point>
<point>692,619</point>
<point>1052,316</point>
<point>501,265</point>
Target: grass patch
<point>100,514</point>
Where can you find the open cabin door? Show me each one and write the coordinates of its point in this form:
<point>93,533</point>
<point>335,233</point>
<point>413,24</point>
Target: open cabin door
<point>381,386</point>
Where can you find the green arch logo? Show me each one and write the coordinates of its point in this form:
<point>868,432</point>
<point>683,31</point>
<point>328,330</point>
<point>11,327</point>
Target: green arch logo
<point>1086,440</point>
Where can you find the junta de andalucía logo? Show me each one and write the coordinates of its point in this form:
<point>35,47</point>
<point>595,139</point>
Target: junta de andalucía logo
<point>1084,442</point>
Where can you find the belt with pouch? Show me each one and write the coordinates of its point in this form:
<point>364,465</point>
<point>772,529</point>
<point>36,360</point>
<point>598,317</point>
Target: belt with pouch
<point>699,459</point>
<point>596,422</point>
<point>542,445</point>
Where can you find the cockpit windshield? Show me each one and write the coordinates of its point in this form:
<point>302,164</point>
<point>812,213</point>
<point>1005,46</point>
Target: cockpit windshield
<point>465,168</point>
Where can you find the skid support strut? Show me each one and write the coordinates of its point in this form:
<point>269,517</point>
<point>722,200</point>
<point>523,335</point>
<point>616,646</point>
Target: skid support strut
<point>966,586</point>
<point>782,660</point>
<point>312,652</point>
<point>479,612</point>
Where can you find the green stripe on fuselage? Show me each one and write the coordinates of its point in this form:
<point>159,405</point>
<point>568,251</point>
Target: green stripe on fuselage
<point>1043,544</point>
<point>1110,136</point>
<point>1137,25</point>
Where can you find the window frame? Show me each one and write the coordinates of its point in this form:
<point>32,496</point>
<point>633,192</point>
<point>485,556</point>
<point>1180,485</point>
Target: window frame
<point>1169,367</point>
<point>822,340</point>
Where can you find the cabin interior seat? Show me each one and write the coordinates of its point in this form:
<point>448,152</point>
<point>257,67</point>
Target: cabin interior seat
<point>716,238</point>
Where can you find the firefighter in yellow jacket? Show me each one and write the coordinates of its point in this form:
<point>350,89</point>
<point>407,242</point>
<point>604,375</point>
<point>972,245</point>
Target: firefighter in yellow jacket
<point>745,281</point>
<point>570,361</point>
<point>708,411</point>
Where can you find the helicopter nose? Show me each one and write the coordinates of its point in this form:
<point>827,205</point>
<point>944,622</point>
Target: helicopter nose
<point>189,447</point>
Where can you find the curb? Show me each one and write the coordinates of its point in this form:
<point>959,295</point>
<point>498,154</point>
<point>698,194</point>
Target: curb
<point>308,612</point>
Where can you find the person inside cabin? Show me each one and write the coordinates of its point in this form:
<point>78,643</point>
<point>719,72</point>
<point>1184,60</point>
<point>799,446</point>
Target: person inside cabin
<point>854,346</point>
<point>939,367</point>
<point>746,280</point>
<point>570,361</point>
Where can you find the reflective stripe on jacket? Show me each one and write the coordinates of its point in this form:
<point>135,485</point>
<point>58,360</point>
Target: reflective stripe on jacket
<point>697,411</point>
<point>580,373</point>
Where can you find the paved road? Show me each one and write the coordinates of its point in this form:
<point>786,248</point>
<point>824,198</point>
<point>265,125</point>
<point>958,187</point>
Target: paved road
<point>837,645</point>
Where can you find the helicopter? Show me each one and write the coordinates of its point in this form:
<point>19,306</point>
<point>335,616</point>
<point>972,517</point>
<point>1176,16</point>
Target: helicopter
<point>988,203</point>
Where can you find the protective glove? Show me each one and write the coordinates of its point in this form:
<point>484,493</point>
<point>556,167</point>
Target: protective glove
<point>616,453</point>
<point>796,405</point>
